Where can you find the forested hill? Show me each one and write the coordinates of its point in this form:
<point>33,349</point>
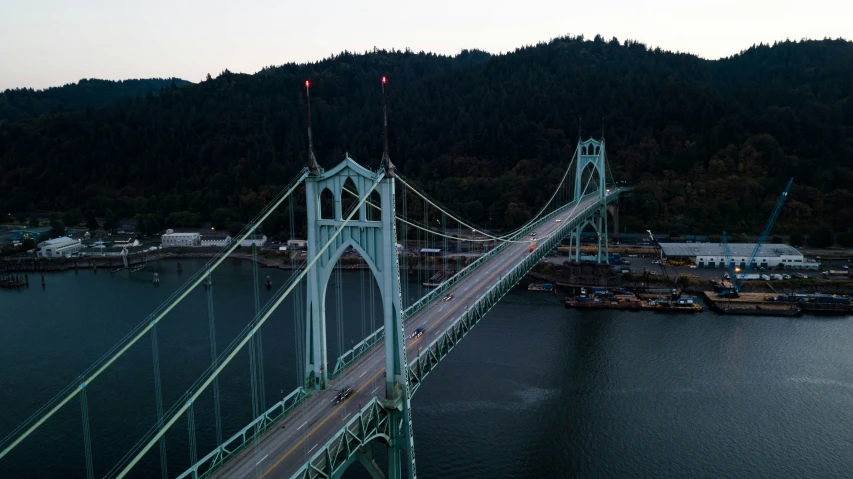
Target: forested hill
<point>710,144</point>
<point>20,103</point>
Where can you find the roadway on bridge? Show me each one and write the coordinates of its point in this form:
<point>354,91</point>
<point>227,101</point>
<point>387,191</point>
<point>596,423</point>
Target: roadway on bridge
<point>283,450</point>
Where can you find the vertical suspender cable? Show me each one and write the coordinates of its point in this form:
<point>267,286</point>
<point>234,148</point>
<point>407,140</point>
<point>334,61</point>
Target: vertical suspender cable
<point>298,318</point>
<point>253,355</point>
<point>211,324</point>
<point>444,249</point>
<point>87,436</point>
<point>158,397</point>
<point>253,373</point>
<point>259,346</point>
<point>362,302</point>
<point>404,264</point>
<point>426,244</point>
<point>371,291</point>
<point>339,307</point>
<point>253,376</point>
<point>191,430</point>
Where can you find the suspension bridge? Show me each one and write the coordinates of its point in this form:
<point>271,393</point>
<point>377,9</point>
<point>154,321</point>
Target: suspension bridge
<point>347,404</point>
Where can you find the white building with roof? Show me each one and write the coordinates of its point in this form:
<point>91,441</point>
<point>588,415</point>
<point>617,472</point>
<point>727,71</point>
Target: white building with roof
<point>297,243</point>
<point>180,239</point>
<point>59,247</point>
<point>712,255</point>
<point>258,240</point>
<point>215,240</point>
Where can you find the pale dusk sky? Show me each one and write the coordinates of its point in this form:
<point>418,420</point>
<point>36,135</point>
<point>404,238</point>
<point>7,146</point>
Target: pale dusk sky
<point>52,42</point>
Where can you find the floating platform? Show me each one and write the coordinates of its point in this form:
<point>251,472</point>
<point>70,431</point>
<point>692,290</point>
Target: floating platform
<point>750,304</point>
<point>601,298</point>
<point>602,304</point>
<point>12,283</point>
<point>540,287</point>
<point>670,307</point>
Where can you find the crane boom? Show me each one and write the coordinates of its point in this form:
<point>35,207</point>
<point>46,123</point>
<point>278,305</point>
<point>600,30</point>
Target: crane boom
<point>761,240</point>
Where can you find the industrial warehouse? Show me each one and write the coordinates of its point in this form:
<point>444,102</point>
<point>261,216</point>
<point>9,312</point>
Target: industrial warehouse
<point>712,255</point>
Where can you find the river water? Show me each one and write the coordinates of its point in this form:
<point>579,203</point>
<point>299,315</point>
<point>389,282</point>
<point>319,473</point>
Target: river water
<point>534,390</point>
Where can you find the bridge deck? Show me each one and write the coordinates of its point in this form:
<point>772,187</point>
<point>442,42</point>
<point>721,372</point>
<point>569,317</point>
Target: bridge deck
<point>282,451</point>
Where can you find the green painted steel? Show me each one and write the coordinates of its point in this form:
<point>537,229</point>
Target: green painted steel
<point>389,419</point>
<point>372,423</point>
<point>376,242</point>
<point>246,436</point>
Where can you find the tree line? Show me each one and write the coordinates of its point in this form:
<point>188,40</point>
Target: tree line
<point>708,145</point>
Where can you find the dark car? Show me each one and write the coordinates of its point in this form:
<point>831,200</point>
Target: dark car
<point>343,394</point>
<point>418,333</point>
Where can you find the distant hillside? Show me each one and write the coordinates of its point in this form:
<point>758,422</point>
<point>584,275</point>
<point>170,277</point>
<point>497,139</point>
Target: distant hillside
<point>709,144</point>
<point>23,103</point>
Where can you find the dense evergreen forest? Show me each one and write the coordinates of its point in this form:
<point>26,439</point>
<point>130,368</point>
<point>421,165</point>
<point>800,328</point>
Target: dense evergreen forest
<point>20,103</point>
<point>709,145</point>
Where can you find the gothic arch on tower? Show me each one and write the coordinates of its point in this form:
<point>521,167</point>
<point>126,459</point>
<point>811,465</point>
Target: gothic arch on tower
<point>590,154</point>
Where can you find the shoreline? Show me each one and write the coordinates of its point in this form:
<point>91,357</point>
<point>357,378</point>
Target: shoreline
<point>50,265</point>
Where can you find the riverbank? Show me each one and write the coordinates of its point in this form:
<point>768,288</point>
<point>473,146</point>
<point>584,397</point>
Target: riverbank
<point>46,265</point>
<point>266,259</point>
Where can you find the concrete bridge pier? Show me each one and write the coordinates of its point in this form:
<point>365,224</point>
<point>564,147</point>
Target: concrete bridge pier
<point>613,209</point>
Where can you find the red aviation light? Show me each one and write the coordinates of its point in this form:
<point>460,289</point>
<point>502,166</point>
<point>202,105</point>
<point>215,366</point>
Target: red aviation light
<point>383,79</point>
<point>307,84</point>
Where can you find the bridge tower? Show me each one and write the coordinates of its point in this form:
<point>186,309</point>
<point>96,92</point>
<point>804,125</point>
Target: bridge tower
<point>590,153</point>
<point>376,241</point>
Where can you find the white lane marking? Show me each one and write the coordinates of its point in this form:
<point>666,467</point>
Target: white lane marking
<point>347,415</point>
<point>362,374</point>
<point>262,460</point>
<point>303,425</point>
<point>315,445</point>
<point>374,390</point>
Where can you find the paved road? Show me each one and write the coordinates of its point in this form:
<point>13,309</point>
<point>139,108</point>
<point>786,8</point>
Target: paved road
<point>282,451</point>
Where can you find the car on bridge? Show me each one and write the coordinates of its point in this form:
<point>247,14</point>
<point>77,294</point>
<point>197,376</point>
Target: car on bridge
<point>559,220</point>
<point>533,234</point>
<point>343,394</point>
<point>447,298</point>
<point>418,333</point>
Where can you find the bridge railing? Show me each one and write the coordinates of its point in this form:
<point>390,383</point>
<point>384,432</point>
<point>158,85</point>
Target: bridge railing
<point>369,424</point>
<point>236,443</point>
<point>368,343</point>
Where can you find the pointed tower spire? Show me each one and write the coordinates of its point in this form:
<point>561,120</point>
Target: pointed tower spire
<point>386,158</point>
<point>313,166</point>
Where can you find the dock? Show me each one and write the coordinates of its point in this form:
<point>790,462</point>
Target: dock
<point>750,304</point>
<point>14,282</point>
<point>623,300</point>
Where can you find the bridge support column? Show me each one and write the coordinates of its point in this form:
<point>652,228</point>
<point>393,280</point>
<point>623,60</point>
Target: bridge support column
<point>577,235</point>
<point>316,370</point>
<point>598,236</point>
<point>613,208</point>
<point>397,392</point>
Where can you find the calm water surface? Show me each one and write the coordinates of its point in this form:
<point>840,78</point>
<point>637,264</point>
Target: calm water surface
<point>534,391</point>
